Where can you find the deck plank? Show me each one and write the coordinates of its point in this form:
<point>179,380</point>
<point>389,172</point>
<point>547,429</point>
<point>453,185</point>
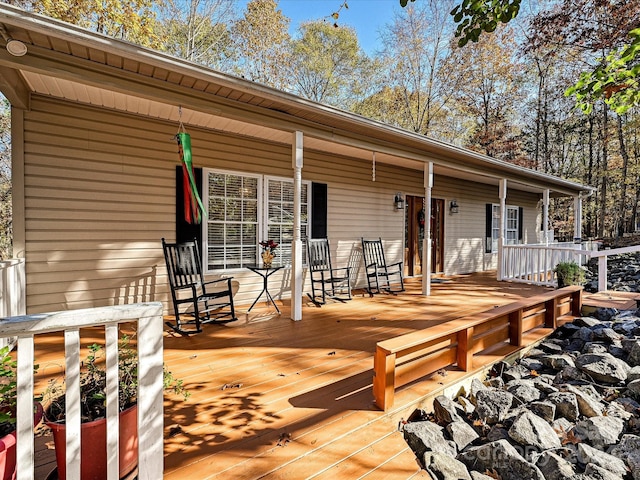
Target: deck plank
<point>298,401</point>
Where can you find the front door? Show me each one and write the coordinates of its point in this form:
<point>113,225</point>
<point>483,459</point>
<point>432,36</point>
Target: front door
<point>414,234</point>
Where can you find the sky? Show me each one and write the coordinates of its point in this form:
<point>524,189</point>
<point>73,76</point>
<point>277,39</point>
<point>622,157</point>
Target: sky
<point>367,17</point>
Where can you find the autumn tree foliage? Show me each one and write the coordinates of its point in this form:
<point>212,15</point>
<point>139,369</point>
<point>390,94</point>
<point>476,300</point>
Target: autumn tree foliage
<point>198,30</point>
<point>261,39</point>
<point>419,72</point>
<point>131,20</point>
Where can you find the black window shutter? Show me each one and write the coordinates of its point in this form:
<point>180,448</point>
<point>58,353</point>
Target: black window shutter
<point>318,210</point>
<point>489,228</point>
<point>186,232</point>
<point>520,223</point>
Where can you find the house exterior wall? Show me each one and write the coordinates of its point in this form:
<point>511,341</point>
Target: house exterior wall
<point>100,194</point>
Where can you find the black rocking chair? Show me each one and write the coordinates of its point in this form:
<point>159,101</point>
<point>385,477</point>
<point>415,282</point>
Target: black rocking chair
<point>188,286</point>
<point>329,282</point>
<point>378,272</point>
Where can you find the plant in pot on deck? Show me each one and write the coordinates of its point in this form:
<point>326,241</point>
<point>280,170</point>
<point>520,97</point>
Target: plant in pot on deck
<point>93,412</point>
<point>8,401</point>
<point>569,273</point>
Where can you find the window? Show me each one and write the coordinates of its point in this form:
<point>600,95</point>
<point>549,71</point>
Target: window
<point>513,226</point>
<point>279,205</point>
<point>244,209</point>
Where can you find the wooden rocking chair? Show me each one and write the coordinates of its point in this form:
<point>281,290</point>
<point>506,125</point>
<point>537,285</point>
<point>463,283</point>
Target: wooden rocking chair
<point>377,271</point>
<point>188,286</point>
<point>326,281</point>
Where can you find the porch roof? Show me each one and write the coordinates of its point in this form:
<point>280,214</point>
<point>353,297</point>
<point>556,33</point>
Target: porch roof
<point>71,63</point>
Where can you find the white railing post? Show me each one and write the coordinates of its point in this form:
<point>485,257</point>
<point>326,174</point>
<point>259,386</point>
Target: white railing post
<point>150,398</point>
<point>602,273</point>
<point>24,409</point>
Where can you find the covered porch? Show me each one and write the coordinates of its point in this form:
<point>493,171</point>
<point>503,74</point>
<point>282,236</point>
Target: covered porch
<point>274,398</point>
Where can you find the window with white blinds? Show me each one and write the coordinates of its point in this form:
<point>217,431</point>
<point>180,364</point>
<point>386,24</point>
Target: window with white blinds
<point>245,209</point>
<point>512,226</point>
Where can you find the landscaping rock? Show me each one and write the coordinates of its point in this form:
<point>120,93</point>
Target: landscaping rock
<point>560,415</point>
<point>480,476</point>
<point>628,450</point>
<point>633,389</point>
<point>566,405</point>
<point>425,437</point>
<point>603,367</point>
<point>588,322</point>
<point>588,405</point>
<point>558,362</point>
<point>475,387</point>
<point>634,354</point>
<point>443,467</point>
<point>445,410</point>
<point>503,458</point>
<point>524,391</point>
<point>598,473</point>
<point>600,432</point>
<point>461,433</point>
<point>531,430</point>
<point>545,410</point>
<point>587,454</point>
<point>634,374</point>
<point>554,467</point>
<point>493,406</point>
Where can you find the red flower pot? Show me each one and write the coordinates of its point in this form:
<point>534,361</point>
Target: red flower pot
<point>8,456</point>
<point>93,450</point>
<point>8,448</point>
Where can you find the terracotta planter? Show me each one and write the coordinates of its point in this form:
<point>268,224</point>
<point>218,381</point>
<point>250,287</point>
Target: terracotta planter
<point>8,448</point>
<point>93,455</point>
<point>8,456</point>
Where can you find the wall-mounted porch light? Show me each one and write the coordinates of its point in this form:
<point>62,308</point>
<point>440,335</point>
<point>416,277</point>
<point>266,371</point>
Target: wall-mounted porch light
<point>399,201</point>
<point>453,207</point>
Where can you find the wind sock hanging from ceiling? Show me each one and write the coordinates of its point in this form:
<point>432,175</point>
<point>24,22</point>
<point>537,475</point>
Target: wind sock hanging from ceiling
<point>193,208</point>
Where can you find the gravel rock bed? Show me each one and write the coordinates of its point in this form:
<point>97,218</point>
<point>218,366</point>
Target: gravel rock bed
<point>568,410</point>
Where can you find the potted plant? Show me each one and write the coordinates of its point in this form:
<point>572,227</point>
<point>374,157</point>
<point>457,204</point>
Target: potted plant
<point>8,399</point>
<point>569,273</point>
<point>93,412</point>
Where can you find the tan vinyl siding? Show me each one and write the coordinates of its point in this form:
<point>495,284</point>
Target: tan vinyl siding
<point>100,194</point>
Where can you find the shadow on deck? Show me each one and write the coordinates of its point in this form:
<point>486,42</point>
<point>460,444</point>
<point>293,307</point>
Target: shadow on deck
<point>273,398</point>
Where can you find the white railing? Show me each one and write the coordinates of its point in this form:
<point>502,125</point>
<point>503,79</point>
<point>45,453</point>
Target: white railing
<point>534,263</point>
<point>602,256</point>
<point>12,290</point>
<point>150,392</point>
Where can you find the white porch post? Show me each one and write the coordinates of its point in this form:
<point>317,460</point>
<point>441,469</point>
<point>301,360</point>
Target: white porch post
<point>426,242</point>
<point>577,218</point>
<point>296,247</point>
<point>503,226</point>
<point>545,217</point>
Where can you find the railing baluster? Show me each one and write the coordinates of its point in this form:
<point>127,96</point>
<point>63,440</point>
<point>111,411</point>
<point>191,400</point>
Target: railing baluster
<point>24,413</point>
<point>113,431</point>
<point>72,401</point>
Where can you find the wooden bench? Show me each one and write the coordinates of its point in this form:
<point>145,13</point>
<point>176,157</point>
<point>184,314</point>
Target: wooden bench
<point>401,360</point>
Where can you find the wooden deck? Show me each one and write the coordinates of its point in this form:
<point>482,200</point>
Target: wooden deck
<point>277,399</point>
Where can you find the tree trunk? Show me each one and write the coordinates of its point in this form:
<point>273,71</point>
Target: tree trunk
<point>590,226</point>
<point>622,225</point>
<point>604,170</point>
